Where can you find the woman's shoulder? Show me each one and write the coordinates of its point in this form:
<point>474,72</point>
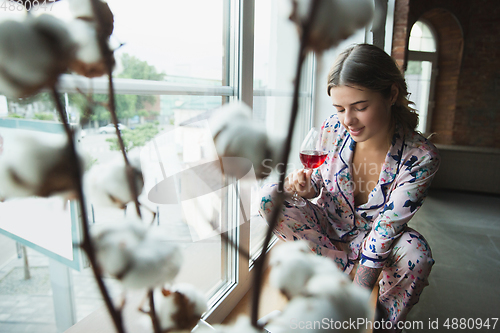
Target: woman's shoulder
<point>420,145</point>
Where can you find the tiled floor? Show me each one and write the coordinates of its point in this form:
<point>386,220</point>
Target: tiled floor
<point>464,233</point>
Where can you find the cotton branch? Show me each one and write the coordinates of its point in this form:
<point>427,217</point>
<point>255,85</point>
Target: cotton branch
<point>152,312</point>
<point>87,245</point>
<point>107,54</point>
<point>259,263</point>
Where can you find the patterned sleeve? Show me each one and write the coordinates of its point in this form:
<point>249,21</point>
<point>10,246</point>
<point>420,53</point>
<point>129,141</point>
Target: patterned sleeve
<point>413,182</point>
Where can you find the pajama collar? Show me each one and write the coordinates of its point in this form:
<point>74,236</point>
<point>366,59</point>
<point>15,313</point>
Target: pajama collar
<point>390,169</point>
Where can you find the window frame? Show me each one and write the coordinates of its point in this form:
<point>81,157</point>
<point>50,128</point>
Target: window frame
<point>237,84</point>
<point>431,57</point>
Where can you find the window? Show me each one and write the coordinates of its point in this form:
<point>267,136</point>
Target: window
<point>421,72</point>
<point>176,62</point>
<point>275,58</point>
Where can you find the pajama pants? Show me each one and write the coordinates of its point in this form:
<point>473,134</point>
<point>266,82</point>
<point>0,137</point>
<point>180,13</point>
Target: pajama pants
<point>404,275</point>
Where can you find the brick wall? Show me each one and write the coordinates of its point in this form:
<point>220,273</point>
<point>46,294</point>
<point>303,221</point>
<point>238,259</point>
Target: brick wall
<point>477,118</point>
<point>400,32</point>
<point>450,49</point>
<point>467,108</point>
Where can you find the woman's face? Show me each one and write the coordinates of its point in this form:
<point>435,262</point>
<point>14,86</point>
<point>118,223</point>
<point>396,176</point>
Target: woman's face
<point>366,114</point>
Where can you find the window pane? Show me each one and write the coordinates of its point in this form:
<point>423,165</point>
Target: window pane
<point>421,38</point>
<point>418,79</point>
<point>276,45</point>
<point>276,51</point>
<point>277,111</point>
<point>179,38</point>
<point>179,142</point>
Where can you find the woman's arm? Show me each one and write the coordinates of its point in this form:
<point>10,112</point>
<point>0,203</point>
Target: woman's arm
<point>366,276</point>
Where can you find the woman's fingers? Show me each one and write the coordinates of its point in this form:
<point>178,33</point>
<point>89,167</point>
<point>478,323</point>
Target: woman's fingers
<point>291,182</point>
<point>289,185</point>
<point>302,178</point>
<point>299,181</point>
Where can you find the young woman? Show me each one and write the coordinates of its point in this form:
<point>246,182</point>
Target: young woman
<point>371,184</point>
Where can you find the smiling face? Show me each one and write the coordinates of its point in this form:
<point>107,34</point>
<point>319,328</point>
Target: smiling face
<point>366,114</point>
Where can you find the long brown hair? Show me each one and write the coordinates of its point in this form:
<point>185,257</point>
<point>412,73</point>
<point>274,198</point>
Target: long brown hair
<point>368,66</point>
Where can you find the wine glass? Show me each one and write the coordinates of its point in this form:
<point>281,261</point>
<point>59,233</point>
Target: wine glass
<point>313,153</point>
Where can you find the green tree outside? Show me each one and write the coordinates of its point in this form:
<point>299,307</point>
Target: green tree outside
<point>127,106</point>
<point>136,137</point>
<point>44,116</point>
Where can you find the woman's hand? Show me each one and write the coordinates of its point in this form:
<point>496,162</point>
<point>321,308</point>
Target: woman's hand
<point>300,181</point>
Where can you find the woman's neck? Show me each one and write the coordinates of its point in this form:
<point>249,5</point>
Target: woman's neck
<point>380,143</point>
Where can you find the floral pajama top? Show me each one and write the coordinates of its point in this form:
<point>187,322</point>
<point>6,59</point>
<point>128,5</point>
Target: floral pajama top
<point>370,229</point>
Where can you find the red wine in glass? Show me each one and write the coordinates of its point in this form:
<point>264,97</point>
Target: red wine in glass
<point>313,153</point>
<point>311,159</point>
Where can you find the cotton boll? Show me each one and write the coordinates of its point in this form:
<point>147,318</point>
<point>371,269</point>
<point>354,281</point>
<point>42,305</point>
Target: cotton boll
<point>287,250</point>
<point>16,15</point>
<point>115,244</point>
<point>8,88</point>
<point>54,30</point>
<point>88,60</point>
<point>334,20</point>
<point>136,254</point>
<point>291,275</point>
<point>33,167</point>
<point>294,264</point>
<point>81,8</point>
<point>300,248</point>
<point>291,268</point>
<point>237,135</point>
<point>154,262</point>
<point>325,265</point>
<point>284,250</point>
<point>33,53</point>
<point>180,307</point>
<point>107,184</point>
<point>310,311</point>
<point>243,139</point>
<point>229,112</point>
<point>351,300</point>
<point>19,40</point>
